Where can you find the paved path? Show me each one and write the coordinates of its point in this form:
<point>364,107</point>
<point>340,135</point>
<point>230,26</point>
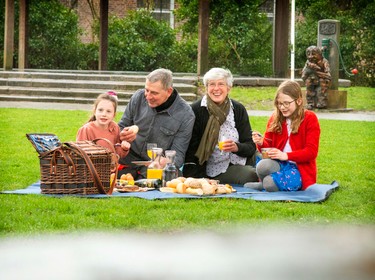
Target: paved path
<point>348,116</point>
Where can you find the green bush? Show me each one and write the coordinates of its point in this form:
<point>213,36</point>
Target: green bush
<point>53,36</point>
<point>138,42</point>
<point>184,55</point>
<point>240,38</point>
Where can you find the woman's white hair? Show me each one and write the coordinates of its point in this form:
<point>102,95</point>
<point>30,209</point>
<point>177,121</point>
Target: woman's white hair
<point>215,74</point>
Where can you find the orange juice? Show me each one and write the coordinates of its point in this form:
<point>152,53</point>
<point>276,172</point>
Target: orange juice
<point>154,173</point>
<point>221,143</point>
<point>149,153</point>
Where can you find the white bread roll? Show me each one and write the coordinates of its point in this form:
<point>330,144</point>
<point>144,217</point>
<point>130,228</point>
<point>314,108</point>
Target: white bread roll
<point>173,183</point>
<point>194,191</point>
<point>134,128</point>
<point>168,190</point>
<point>181,188</point>
<point>208,189</point>
<point>193,183</point>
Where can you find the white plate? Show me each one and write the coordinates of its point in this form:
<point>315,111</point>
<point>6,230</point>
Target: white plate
<point>141,162</point>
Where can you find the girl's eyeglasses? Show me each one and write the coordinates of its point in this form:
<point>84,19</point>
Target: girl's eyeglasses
<point>286,104</point>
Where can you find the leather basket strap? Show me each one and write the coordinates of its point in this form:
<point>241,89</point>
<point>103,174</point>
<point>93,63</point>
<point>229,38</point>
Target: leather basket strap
<point>116,159</point>
<point>68,160</point>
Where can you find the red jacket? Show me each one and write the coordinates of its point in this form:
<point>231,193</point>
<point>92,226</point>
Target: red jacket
<point>304,144</point>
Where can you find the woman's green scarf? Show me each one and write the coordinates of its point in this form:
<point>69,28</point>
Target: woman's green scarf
<point>217,116</point>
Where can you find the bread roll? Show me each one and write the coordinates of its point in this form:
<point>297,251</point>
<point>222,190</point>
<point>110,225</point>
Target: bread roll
<point>208,189</point>
<point>193,183</point>
<point>173,183</point>
<point>221,190</point>
<point>194,191</point>
<point>182,179</point>
<point>181,188</point>
<point>134,128</point>
<point>168,190</point>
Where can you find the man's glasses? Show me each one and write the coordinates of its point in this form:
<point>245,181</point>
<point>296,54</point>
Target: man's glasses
<point>286,104</point>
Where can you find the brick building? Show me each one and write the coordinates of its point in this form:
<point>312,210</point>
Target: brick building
<point>88,11</point>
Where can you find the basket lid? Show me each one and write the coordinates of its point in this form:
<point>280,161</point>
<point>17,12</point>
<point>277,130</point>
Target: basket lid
<point>43,142</point>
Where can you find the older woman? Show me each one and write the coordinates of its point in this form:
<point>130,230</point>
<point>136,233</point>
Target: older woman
<point>220,119</point>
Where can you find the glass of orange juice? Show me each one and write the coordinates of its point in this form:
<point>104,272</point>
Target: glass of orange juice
<point>150,146</point>
<point>221,142</point>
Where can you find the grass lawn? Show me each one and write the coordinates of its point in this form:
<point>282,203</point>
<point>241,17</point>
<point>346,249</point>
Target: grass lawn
<point>346,155</point>
<point>261,98</point>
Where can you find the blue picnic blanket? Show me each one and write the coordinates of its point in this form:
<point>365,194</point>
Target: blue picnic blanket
<point>315,193</point>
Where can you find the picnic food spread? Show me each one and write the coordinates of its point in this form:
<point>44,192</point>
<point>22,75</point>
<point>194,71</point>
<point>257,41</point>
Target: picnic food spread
<point>181,185</point>
<point>195,186</point>
<point>126,183</point>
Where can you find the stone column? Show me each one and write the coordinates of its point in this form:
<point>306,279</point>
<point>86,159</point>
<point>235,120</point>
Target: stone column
<point>330,29</point>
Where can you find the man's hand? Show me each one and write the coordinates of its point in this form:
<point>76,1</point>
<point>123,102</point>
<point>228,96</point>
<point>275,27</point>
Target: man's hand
<point>128,134</point>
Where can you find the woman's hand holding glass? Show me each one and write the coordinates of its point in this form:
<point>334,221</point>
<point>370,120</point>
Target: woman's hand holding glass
<point>227,145</point>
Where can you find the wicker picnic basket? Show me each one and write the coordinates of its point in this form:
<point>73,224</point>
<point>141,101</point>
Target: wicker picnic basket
<point>81,167</point>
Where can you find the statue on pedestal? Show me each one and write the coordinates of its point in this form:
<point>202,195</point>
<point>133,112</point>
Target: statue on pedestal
<point>317,77</point>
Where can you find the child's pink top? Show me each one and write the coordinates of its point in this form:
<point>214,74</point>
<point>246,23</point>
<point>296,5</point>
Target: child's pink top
<point>90,132</point>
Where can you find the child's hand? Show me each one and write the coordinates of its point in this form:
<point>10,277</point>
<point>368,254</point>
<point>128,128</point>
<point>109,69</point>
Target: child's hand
<point>125,145</point>
<point>277,154</point>
<point>257,138</point>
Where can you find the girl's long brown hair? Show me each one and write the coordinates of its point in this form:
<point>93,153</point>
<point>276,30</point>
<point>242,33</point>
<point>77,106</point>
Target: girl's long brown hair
<point>292,89</point>
<point>103,96</point>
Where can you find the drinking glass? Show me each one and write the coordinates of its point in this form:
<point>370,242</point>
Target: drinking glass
<point>221,142</point>
<point>150,146</point>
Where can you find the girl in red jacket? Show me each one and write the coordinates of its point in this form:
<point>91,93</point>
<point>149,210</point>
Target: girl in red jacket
<point>293,135</point>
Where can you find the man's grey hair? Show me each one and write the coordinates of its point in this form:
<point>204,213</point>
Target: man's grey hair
<point>215,74</point>
<point>163,75</point>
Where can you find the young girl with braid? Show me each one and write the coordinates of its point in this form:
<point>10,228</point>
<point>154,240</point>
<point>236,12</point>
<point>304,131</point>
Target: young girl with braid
<point>293,135</point>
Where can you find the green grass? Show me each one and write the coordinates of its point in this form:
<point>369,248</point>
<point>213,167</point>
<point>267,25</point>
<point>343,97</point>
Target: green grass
<point>261,98</point>
<point>346,154</point>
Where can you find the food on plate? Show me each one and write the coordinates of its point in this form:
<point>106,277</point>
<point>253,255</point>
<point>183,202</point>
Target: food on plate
<point>173,183</point>
<point>196,186</point>
<point>167,190</point>
<point>195,191</point>
<point>181,188</point>
<point>128,188</point>
<point>194,183</point>
<point>182,179</point>
<point>126,179</point>
<point>207,188</point>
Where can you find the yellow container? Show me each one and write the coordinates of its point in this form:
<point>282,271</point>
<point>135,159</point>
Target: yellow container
<point>154,173</point>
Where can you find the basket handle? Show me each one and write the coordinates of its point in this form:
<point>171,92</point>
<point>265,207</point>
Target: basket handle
<point>115,157</point>
<point>90,165</point>
<point>68,160</point>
